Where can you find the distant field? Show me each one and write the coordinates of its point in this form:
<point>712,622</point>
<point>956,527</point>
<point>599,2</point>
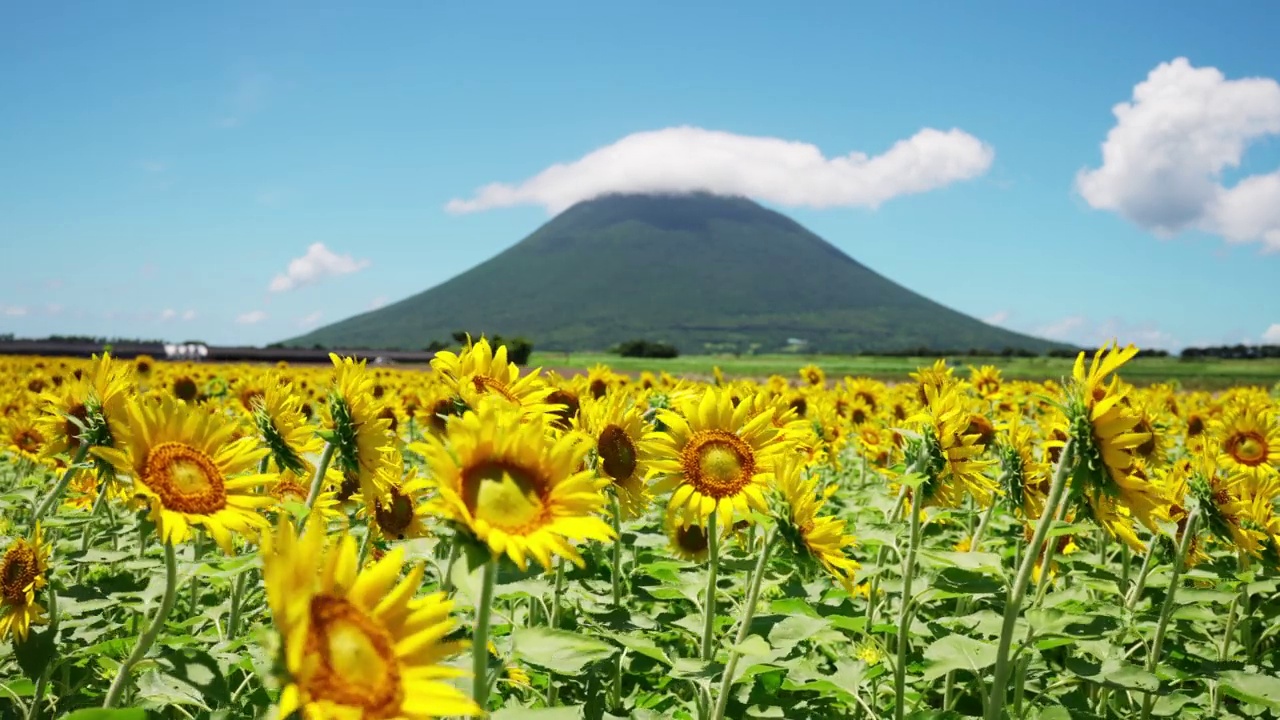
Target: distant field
<point>1191,373</point>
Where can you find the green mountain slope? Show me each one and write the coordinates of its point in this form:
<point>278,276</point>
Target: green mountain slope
<point>685,269</point>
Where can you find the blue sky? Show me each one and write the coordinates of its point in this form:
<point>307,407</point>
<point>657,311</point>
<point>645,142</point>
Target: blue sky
<point>160,168</point>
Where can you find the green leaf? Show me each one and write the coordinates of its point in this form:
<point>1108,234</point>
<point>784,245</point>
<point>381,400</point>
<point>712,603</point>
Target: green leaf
<point>103,714</point>
<point>643,645</point>
<point>958,652</point>
<point>788,633</point>
<point>1251,688</point>
<point>981,562</point>
<point>560,651</point>
<point>35,653</point>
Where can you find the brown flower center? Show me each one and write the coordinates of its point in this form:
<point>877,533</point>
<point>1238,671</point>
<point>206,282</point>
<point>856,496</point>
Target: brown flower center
<point>718,463</point>
<point>18,571</point>
<point>617,453</point>
<point>357,664</point>
<point>505,495</point>
<point>1248,448</point>
<point>394,517</point>
<point>186,479</point>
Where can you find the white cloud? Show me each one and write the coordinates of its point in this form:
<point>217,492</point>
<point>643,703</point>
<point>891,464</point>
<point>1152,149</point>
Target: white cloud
<point>1272,335</point>
<point>53,284</point>
<point>310,320</point>
<point>168,314</point>
<point>319,262</point>
<point>687,159</point>
<point>999,317</point>
<point>245,99</point>
<point>153,166</point>
<point>188,316</point>
<point>53,308</point>
<point>1082,331</point>
<point>378,302</point>
<point>13,310</point>
<point>251,318</point>
<point>1163,161</point>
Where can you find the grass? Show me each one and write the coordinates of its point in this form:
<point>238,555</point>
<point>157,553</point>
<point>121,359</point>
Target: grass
<point>1203,374</point>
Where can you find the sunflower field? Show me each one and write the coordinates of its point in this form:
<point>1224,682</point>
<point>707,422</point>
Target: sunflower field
<point>225,541</point>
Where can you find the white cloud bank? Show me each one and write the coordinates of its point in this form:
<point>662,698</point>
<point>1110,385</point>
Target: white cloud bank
<point>253,317</point>
<point>786,172</point>
<point>318,263</point>
<point>1162,163</point>
<point>1087,333</point>
<point>1272,335</point>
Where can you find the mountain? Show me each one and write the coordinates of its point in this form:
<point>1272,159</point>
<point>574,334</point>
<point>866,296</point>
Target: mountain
<point>684,269</point>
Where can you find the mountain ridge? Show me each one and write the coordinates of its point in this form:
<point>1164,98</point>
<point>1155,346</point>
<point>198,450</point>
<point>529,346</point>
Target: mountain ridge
<point>693,269</point>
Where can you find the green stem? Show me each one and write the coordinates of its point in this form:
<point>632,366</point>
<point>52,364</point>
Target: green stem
<point>33,710</point>
<point>49,500</point>
<point>617,553</point>
<point>881,555</point>
<point>317,482</point>
<point>480,640</point>
<point>152,632</point>
<point>553,688</point>
<point>1225,651</point>
<point>904,610</point>
<point>744,629</point>
<point>962,607</point>
<point>1166,611</point>
<point>237,602</point>
<point>1135,593</point>
<point>709,603</point>
<point>446,582</point>
<point>1013,604</point>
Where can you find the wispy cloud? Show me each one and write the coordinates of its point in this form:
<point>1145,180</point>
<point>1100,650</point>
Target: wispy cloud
<point>317,263</point>
<point>189,315</point>
<point>378,302</point>
<point>155,167</point>
<point>1085,332</point>
<point>245,99</point>
<point>13,310</point>
<point>1272,334</point>
<point>253,317</point>
<point>786,172</point>
<point>168,314</point>
<point>1163,161</point>
<point>310,320</point>
<point>999,317</point>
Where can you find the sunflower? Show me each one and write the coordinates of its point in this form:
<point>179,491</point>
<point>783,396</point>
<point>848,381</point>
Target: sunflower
<point>356,644</point>
<point>90,408</point>
<point>1232,510</point>
<point>502,477</point>
<point>811,535</point>
<point>937,376</point>
<point>289,487</point>
<point>947,453</point>
<point>1026,477</point>
<point>688,542</point>
<point>1103,426</point>
<point>187,469</point>
<point>22,573</point>
<point>23,438</point>
<point>481,371</point>
<point>986,380</point>
<point>813,376</point>
<point>623,451</point>
<point>1247,438</point>
<point>277,413</point>
<point>355,427</point>
<point>401,512</point>
<point>715,458</point>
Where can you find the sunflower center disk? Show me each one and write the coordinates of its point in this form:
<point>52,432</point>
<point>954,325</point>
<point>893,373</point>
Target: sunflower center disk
<point>503,495</point>
<point>18,572</point>
<point>1249,449</point>
<point>358,662</point>
<point>394,517</point>
<point>617,453</point>
<point>185,478</point>
<point>718,463</point>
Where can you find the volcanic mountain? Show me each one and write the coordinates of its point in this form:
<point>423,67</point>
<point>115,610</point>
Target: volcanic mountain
<point>694,270</point>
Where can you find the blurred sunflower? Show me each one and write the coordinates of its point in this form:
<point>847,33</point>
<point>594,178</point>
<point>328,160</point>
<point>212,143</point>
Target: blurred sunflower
<point>813,376</point>
<point>947,453</point>
<point>289,437</point>
<point>714,457</point>
<point>356,644</point>
<point>481,371</point>
<point>402,511</point>
<point>186,468</point>
<point>357,431</point>
<point>688,542</point>
<point>809,534</point>
<point>22,573</point>
<point>23,438</point>
<point>1247,438</point>
<point>623,451</point>
<point>501,476</point>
